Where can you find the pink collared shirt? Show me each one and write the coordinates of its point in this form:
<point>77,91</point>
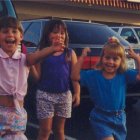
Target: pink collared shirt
<point>13,74</point>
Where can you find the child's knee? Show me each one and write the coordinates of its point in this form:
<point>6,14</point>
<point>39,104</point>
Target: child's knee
<point>45,132</point>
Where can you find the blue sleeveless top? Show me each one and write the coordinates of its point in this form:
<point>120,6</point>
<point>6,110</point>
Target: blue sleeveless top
<point>55,74</point>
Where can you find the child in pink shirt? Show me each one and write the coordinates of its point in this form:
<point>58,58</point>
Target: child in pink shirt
<point>14,69</point>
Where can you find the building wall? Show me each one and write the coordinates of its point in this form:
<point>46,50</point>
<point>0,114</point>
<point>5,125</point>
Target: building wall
<point>36,9</point>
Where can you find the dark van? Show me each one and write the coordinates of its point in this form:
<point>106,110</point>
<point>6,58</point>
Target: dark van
<point>81,35</point>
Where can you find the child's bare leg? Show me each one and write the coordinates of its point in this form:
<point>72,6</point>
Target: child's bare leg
<point>58,128</point>
<point>45,129</point>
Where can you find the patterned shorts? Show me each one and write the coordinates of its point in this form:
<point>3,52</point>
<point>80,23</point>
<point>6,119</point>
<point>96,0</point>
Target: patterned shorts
<point>16,136</point>
<point>12,123</point>
<point>49,104</point>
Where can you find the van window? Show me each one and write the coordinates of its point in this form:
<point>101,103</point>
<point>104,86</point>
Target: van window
<point>32,31</point>
<point>6,8</point>
<point>85,33</point>
<point>127,32</point>
<point>88,33</point>
<point>129,35</point>
<point>137,31</point>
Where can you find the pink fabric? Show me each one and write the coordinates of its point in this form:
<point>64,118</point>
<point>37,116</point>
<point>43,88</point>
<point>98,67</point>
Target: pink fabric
<point>18,136</point>
<point>12,121</point>
<point>23,48</point>
<point>13,74</point>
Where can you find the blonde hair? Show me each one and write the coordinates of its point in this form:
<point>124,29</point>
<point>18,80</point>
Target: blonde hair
<point>113,46</point>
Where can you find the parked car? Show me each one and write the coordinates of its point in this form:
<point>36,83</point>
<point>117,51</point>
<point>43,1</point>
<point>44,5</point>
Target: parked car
<point>81,35</point>
<point>130,33</point>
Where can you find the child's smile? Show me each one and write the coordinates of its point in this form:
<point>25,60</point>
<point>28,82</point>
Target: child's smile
<point>111,63</point>
<point>10,41</point>
<point>10,38</point>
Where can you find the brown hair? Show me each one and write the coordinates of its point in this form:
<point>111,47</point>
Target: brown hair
<point>48,28</point>
<point>6,22</point>
<point>113,46</point>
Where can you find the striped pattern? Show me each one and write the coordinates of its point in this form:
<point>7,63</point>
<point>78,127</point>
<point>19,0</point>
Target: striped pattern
<point>112,3</point>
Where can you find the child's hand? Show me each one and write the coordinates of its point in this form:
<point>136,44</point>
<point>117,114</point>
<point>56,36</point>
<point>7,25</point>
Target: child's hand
<point>85,51</point>
<point>132,54</point>
<point>58,48</point>
<point>57,43</point>
<point>76,100</point>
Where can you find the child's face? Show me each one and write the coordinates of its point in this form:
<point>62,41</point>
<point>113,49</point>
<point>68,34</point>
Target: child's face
<point>10,38</point>
<point>111,62</point>
<point>57,36</point>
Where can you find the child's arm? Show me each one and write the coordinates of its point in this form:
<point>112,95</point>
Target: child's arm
<point>35,71</point>
<point>76,85</point>
<point>135,56</point>
<point>76,95</point>
<point>75,75</point>
<point>33,58</point>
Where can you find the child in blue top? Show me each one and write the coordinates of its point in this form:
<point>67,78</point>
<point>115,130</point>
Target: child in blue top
<point>54,98</point>
<point>107,88</point>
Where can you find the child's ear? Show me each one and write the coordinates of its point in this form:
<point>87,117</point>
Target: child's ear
<point>21,37</point>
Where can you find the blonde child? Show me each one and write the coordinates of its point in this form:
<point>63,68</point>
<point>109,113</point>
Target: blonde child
<point>107,88</point>
<point>14,69</point>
